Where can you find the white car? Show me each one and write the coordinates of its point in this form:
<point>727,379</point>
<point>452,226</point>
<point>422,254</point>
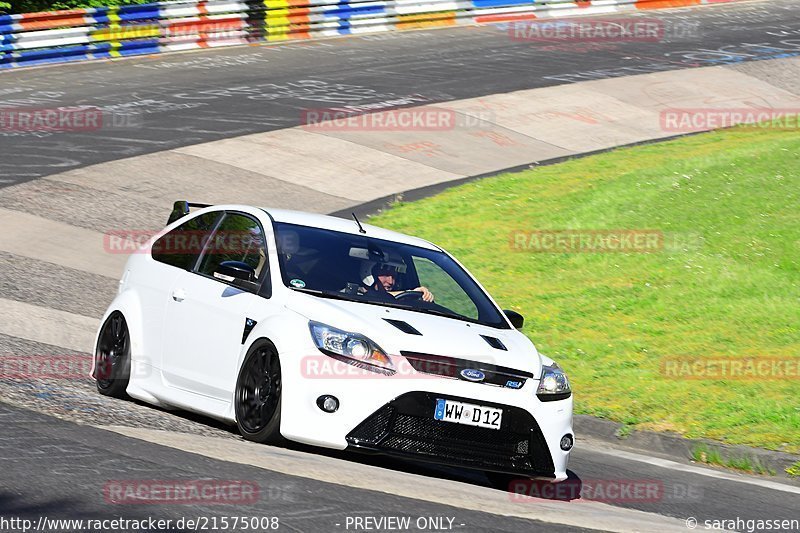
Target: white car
<point>324,331</point>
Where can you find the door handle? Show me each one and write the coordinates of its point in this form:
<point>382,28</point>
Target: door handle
<point>179,295</point>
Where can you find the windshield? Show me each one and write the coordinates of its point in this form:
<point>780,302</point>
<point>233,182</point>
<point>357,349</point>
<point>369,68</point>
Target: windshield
<point>364,269</point>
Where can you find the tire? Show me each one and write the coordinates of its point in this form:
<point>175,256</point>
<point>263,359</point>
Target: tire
<point>113,357</point>
<point>258,395</point>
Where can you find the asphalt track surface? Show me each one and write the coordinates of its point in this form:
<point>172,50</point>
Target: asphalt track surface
<point>81,465</point>
<point>58,468</point>
<point>159,103</point>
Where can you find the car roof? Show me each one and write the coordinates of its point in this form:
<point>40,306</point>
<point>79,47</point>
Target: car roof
<point>344,225</point>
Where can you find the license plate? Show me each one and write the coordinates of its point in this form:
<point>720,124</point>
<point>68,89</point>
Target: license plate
<point>468,414</point>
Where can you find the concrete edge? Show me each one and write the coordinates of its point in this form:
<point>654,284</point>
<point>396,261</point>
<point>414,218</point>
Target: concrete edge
<point>679,448</point>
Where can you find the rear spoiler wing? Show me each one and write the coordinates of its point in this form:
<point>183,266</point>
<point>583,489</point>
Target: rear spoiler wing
<point>181,208</point>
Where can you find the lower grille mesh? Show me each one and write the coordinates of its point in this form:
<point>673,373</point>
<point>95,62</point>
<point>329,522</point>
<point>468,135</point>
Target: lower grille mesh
<point>375,428</point>
<point>407,427</point>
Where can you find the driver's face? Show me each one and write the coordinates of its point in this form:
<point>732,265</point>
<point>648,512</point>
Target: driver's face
<point>386,280</point>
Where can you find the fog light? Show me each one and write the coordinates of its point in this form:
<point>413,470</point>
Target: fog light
<point>566,442</point>
<point>328,403</point>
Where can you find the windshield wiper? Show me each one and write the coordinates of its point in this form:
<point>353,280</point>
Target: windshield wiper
<point>340,296</point>
<point>427,310</point>
<point>324,294</point>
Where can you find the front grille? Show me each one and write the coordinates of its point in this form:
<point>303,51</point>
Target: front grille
<point>451,367</point>
<point>406,427</point>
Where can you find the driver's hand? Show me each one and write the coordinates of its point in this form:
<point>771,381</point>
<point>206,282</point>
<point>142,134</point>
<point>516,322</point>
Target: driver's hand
<point>426,294</point>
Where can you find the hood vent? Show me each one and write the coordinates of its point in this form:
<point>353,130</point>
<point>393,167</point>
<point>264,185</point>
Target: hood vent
<point>405,327</point>
<point>495,343</point>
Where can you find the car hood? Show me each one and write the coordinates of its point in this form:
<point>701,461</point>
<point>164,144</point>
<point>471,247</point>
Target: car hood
<point>439,335</point>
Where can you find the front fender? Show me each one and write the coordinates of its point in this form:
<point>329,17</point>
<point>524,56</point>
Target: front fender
<point>285,330</point>
<point>282,329</point>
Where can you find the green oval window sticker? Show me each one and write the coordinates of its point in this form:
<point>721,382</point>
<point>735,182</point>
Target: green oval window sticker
<point>299,283</point>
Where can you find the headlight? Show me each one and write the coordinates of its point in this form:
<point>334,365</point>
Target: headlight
<point>352,348</point>
<point>553,385</point>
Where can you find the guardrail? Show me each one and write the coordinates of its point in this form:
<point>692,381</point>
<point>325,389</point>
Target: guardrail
<point>108,32</point>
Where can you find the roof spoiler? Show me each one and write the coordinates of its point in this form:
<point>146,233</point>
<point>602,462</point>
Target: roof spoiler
<point>181,208</point>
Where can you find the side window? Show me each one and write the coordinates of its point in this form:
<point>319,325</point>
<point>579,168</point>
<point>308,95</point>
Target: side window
<point>181,246</point>
<point>238,238</point>
<point>445,289</point>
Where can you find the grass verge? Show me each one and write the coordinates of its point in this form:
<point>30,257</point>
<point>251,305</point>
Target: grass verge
<point>713,456</point>
<point>723,285</point>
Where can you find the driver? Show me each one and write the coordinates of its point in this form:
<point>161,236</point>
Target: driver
<point>385,279</point>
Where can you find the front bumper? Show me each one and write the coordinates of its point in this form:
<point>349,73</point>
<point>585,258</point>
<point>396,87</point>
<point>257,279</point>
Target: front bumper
<point>411,395</point>
<point>405,427</point>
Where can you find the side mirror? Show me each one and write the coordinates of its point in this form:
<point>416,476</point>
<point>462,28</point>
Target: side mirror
<point>516,319</point>
<point>238,273</point>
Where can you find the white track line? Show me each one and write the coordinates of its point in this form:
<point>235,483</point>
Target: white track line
<point>672,465</point>
<point>56,242</point>
<point>39,324</point>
